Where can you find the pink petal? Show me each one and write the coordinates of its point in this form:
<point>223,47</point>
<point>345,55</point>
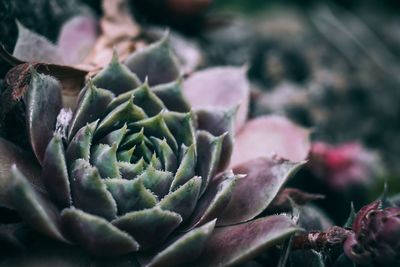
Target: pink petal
<point>268,136</point>
<point>220,87</point>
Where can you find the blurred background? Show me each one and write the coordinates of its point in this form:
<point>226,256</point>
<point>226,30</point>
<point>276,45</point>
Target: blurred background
<point>332,66</point>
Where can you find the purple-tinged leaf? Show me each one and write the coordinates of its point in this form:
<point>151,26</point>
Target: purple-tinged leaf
<point>218,122</point>
<point>149,227</point>
<point>271,135</point>
<point>96,234</point>
<point>184,199</point>
<point>33,208</point>
<point>156,62</point>
<point>185,249</point>
<point>76,39</point>
<point>253,193</point>
<point>43,104</point>
<point>214,200</point>
<point>220,87</point>
<point>89,193</point>
<point>32,47</point>
<point>209,154</point>
<point>55,172</point>
<point>232,245</point>
<point>91,106</point>
<point>11,154</point>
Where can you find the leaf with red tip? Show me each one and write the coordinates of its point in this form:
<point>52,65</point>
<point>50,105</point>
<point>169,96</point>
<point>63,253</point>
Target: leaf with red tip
<point>185,249</point>
<point>33,208</point>
<point>43,104</point>
<point>96,234</point>
<point>156,62</point>
<point>268,136</point>
<point>76,39</point>
<point>232,245</point>
<point>220,87</point>
<point>55,172</point>
<point>149,227</point>
<point>253,193</point>
<point>32,47</point>
<point>11,154</point>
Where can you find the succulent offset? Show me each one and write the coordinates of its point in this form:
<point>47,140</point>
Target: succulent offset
<point>375,241</point>
<point>135,169</point>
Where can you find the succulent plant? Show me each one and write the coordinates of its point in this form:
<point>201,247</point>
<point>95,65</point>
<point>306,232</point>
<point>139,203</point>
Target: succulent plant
<point>375,241</point>
<point>136,169</point>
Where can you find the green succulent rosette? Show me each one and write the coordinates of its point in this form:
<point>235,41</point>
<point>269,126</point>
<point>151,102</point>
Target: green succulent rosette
<point>136,171</point>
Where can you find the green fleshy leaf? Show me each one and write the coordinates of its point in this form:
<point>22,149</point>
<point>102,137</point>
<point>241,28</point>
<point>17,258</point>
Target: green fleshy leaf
<point>219,122</point>
<point>156,181</point>
<point>104,157</point>
<point>130,195</point>
<point>172,96</point>
<point>214,200</point>
<point>165,153</point>
<point>156,126</point>
<point>185,249</point>
<point>184,199</point>
<point>124,113</point>
<point>147,100</point>
<point>232,245</point>
<point>115,137</point>
<point>55,172</point>
<point>143,151</point>
<point>181,126</point>
<point>89,193</point>
<point>11,154</point>
<point>149,227</point>
<point>208,156</point>
<point>43,103</point>
<point>253,193</point>
<point>156,61</point>
<point>186,168</point>
<point>33,208</point>
<point>125,155</point>
<point>116,77</point>
<point>92,104</point>
<point>133,139</point>
<point>79,147</point>
<point>156,162</point>
<point>96,234</point>
<point>130,170</point>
